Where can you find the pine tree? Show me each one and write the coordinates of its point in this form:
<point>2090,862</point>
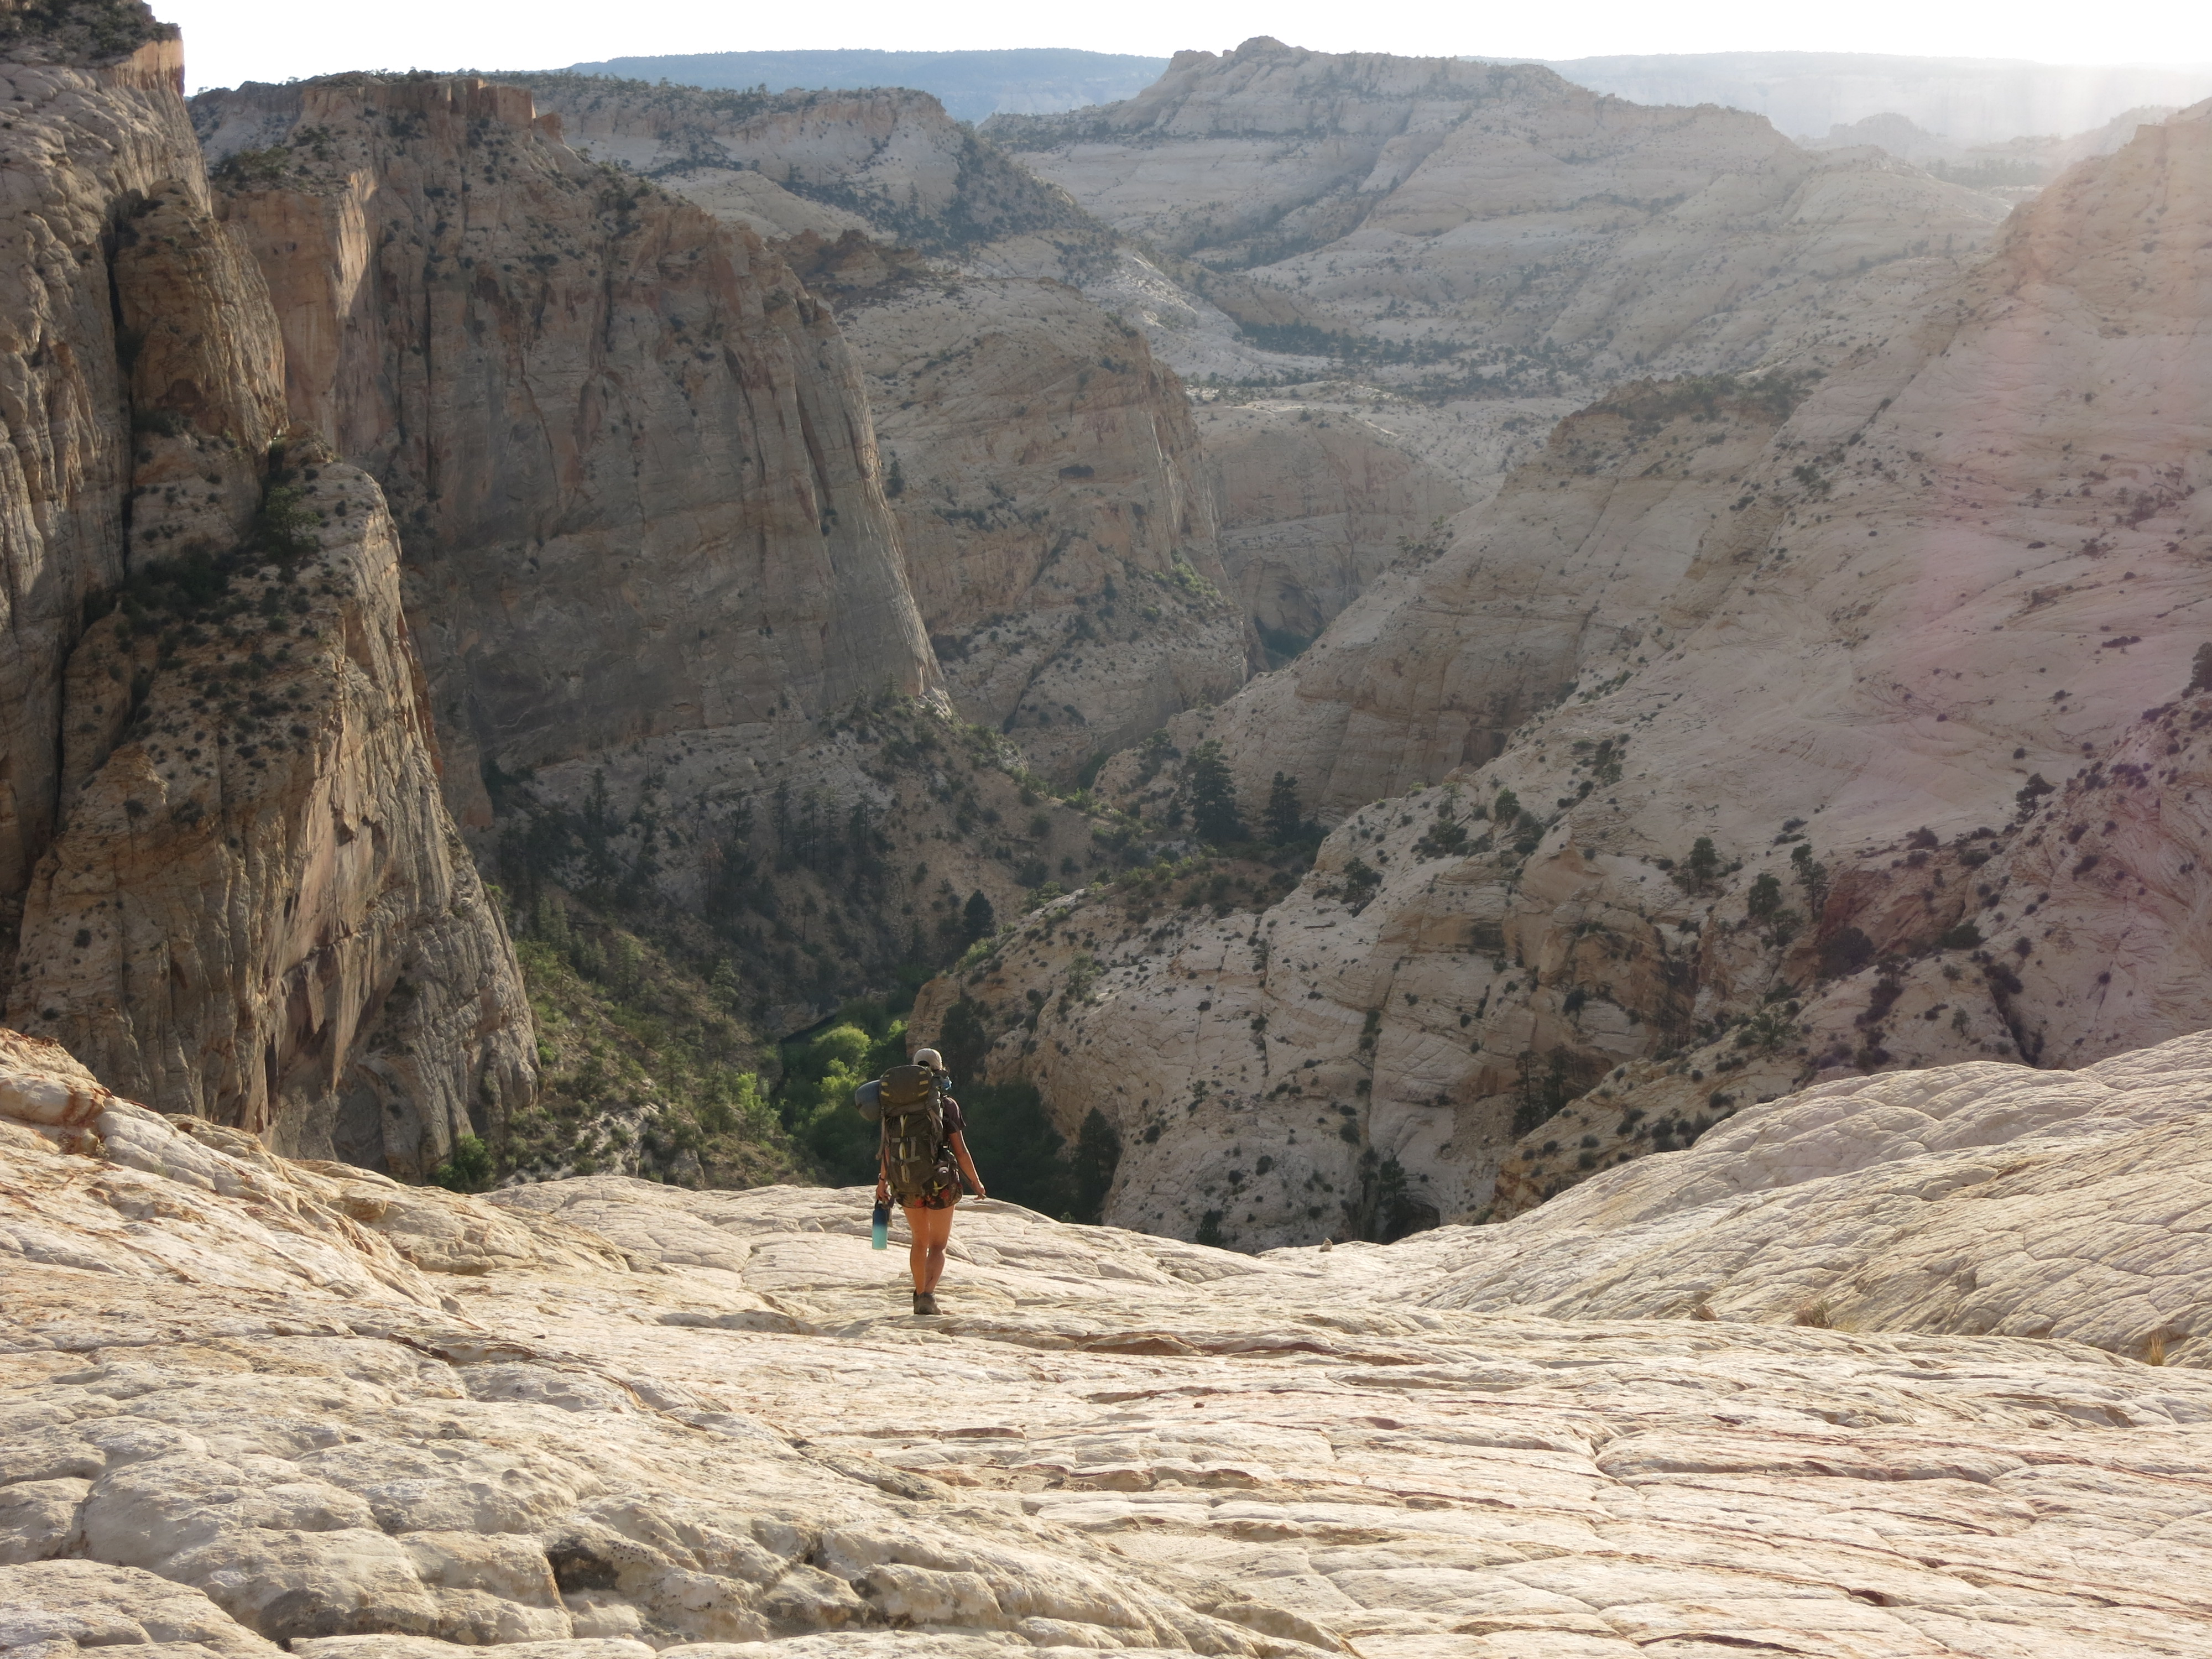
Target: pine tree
<point>1284,820</point>
<point>1213,812</point>
<point>981,921</point>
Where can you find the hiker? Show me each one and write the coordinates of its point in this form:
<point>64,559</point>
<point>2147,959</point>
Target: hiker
<point>922,1159</point>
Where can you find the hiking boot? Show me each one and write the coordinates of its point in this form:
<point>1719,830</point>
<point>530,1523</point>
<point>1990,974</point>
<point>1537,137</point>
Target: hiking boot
<point>925,1303</point>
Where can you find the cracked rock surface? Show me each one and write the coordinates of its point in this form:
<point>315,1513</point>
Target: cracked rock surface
<point>246,1403</point>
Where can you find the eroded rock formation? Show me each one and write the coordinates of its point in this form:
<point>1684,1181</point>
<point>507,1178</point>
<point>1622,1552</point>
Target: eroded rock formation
<point>633,452</point>
<point>1499,220</point>
<point>1061,533</point>
<point>1807,801</point>
<point>231,881</point>
<point>251,1402</point>
<point>257,910</point>
<point>93,129</point>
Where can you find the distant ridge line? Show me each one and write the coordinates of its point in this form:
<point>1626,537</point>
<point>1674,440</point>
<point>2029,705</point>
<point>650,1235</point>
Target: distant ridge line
<point>971,85</point>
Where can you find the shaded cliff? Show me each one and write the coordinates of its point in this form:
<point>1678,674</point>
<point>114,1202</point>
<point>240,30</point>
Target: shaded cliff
<point>1060,534</point>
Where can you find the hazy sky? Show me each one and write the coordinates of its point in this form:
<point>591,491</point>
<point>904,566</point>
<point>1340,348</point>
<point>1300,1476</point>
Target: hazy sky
<point>230,40</point>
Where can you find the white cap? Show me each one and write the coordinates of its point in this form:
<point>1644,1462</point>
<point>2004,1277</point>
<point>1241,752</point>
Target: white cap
<point>930,1058</point>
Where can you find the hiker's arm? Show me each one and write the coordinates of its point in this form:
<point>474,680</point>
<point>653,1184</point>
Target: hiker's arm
<point>882,1176</point>
<point>967,1164</point>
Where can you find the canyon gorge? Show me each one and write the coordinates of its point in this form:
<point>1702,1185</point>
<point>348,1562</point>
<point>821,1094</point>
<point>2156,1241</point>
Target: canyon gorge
<point>1537,756</point>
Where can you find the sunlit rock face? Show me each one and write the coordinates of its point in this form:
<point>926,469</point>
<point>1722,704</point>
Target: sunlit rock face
<point>1908,648</point>
<point>98,125</point>
<point>257,909</point>
<point>251,1402</point>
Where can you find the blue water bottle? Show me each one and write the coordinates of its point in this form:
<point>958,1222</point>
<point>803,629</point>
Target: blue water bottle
<point>881,1237</point>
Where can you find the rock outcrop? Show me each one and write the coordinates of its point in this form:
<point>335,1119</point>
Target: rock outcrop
<point>1980,1197</point>
<point>96,124</point>
<point>1061,532</point>
<point>257,910</point>
<point>231,883</point>
<point>252,1403</point>
<point>1807,801</point>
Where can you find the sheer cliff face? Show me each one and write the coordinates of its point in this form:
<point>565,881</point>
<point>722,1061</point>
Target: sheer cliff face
<point>257,909</point>
<point>1504,222</point>
<point>630,455</point>
<point>86,136</point>
<point>1061,534</point>
<point>231,884</point>
<point>1889,658</point>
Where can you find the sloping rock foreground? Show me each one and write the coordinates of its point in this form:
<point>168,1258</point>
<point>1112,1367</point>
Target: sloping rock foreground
<point>250,1402</point>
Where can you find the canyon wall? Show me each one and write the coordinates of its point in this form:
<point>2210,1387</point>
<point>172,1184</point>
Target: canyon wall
<point>257,910</point>
<point>91,130</point>
<point>631,454</point>
<point>230,879</point>
<point>1061,533</point>
<point>1867,743</point>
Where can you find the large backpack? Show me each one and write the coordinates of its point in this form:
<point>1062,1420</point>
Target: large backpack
<point>917,1161</point>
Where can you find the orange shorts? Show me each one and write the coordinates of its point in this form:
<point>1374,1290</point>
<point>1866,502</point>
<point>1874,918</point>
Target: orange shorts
<point>943,1199</point>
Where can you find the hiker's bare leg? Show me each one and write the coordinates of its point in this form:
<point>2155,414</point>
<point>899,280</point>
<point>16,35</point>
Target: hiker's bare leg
<point>917,1249</point>
<point>925,1256</point>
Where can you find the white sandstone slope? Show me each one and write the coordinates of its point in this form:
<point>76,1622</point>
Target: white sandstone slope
<point>1980,1197</point>
<point>250,1405</point>
<point>1911,646</point>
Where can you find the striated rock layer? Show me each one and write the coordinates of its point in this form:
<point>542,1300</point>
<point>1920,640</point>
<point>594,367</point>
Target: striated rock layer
<point>1835,728</point>
<point>253,1403</point>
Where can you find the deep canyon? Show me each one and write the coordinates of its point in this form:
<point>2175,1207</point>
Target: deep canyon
<point>1536,755</point>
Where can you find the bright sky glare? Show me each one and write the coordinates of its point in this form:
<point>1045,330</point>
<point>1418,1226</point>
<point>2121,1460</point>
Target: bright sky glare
<point>227,41</point>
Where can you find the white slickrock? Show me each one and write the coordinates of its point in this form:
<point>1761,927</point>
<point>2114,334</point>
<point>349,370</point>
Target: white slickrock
<point>247,1403</point>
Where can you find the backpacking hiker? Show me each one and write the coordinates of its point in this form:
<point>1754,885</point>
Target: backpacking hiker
<point>922,1159</point>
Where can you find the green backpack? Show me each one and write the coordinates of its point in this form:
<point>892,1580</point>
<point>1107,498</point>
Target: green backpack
<point>917,1161</point>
